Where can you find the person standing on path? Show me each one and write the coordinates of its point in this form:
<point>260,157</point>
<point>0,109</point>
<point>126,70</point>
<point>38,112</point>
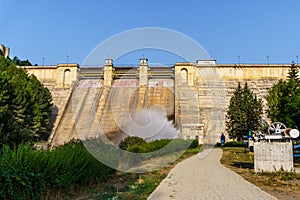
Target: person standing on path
<point>222,139</point>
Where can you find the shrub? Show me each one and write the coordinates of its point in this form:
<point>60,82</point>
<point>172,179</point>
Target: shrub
<point>156,145</point>
<point>234,144</point>
<point>130,141</point>
<point>174,146</point>
<point>194,144</point>
<point>137,149</point>
<point>155,149</point>
<point>27,173</point>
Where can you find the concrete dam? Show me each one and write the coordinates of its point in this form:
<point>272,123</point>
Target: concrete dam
<point>90,101</point>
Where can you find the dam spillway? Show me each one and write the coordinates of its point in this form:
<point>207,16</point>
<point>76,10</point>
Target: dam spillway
<point>110,106</point>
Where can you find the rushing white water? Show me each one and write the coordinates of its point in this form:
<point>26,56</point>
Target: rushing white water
<point>151,125</point>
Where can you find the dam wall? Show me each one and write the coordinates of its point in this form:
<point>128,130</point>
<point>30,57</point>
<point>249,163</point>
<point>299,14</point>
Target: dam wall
<point>194,96</point>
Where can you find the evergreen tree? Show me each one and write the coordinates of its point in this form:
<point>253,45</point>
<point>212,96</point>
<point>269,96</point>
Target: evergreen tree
<point>40,103</point>
<point>284,99</point>
<point>293,72</point>
<point>5,110</point>
<point>244,113</point>
<point>19,62</point>
<point>25,106</point>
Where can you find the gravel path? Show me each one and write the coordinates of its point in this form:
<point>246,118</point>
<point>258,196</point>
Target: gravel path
<point>205,178</point>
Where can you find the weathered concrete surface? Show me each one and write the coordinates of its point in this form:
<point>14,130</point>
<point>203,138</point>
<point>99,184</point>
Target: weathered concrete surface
<point>205,178</point>
<point>60,98</point>
<point>273,156</point>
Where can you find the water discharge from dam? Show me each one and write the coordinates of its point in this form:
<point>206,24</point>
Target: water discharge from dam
<point>151,125</point>
<point>118,111</point>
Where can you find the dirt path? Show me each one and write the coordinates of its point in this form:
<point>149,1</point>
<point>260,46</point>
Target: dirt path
<point>205,178</point>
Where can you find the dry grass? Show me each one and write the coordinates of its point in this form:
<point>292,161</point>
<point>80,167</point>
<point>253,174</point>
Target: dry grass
<point>282,185</point>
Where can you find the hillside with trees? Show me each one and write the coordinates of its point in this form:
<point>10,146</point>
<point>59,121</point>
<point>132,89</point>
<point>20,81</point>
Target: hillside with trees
<point>25,106</point>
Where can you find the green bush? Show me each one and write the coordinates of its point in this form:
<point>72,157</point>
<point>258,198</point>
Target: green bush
<point>139,145</point>
<point>27,173</point>
<point>234,144</point>
<point>138,149</point>
<point>156,149</point>
<point>160,147</point>
<point>156,145</point>
<point>194,144</point>
<point>130,141</point>
<point>150,146</point>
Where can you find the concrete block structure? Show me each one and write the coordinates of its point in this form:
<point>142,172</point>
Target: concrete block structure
<point>273,156</point>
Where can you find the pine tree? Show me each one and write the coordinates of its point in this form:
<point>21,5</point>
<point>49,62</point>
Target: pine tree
<point>293,72</point>
<point>244,112</point>
<point>19,62</point>
<point>41,106</point>
<point>284,99</point>
<point>5,102</point>
<point>25,106</point>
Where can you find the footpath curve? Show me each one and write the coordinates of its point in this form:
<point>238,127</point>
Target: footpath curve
<point>205,178</point>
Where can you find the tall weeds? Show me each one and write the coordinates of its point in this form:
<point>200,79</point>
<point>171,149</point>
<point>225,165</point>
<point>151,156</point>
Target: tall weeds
<point>27,173</point>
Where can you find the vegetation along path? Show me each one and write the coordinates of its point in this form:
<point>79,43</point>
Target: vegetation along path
<point>206,178</point>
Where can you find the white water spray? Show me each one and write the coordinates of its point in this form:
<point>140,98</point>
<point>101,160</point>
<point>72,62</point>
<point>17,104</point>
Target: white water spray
<point>151,125</point>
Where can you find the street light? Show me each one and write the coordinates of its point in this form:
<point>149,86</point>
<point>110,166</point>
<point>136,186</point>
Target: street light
<point>268,60</point>
<point>43,61</point>
<point>297,58</point>
<point>239,57</point>
<point>67,60</point>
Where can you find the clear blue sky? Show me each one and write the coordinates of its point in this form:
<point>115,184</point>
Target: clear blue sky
<point>225,28</point>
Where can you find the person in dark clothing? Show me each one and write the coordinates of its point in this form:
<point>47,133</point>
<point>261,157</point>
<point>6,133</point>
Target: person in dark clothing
<point>222,139</point>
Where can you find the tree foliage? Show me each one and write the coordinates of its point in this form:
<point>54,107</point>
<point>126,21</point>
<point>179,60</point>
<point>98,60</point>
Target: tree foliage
<point>293,72</point>
<point>244,113</point>
<point>130,141</point>
<point>19,62</point>
<point>284,99</point>
<point>25,106</point>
